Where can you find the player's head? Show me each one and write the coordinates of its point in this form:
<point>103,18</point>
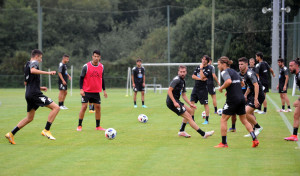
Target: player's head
<point>224,63</point>
<point>65,58</point>
<point>280,62</point>
<point>252,62</point>
<point>259,56</point>
<point>209,62</point>
<point>243,64</point>
<point>37,55</point>
<point>294,66</point>
<point>96,56</point>
<point>139,62</point>
<point>205,60</point>
<point>182,71</point>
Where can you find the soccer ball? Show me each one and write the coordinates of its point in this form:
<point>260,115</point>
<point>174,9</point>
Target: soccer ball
<point>110,133</point>
<point>203,114</point>
<point>143,118</point>
<point>220,111</point>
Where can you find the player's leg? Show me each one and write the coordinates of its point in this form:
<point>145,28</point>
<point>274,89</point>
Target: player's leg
<point>61,99</point>
<point>81,115</point>
<point>206,107</point>
<point>64,98</point>
<point>252,120</point>
<point>248,126</point>
<point>192,112</point>
<point>294,136</point>
<point>51,117</point>
<point>223,123</point>
<point>134,98</point>
<point>265,104</point>
<point>214,98</point>
<point>183,125</point>
<point>287,101</point>
<point>143,99</point>
<point>233,122</point>
<point>282,98</point>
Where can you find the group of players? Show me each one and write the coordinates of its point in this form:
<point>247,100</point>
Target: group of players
<point>245,92</point>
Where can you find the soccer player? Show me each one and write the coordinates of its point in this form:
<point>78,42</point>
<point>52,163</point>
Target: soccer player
<point>235,101</point>
<point>251,64</point>
<point>210,85</point>
<point>262,69</point>
<point>35,97</point>
<point>178,87</point>
<point>63,77</point>
<point>294,69</point>
<point>283,85</point>
<point>91,84</point>
<point>200,92</point>
<point>254,94</point>
<point>138,82</point>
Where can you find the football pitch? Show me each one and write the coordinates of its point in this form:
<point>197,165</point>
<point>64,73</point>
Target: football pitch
<point>153,148</point>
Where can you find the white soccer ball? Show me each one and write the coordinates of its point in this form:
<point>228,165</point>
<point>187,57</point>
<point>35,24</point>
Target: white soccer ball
<point>203,114</point>
<point>220,111</point>
<point>110,133</point>
<point>143,118</point>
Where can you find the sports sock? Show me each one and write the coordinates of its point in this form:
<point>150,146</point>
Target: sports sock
<point>295,132</point>
<point>233,126</point>
<point>80,122</point>
<point>48,125</point>
<point>206,118</point>
<point>216,109</point>
<point>143,102</point>
<point>15,130</point>
<point>257,126</point>
<point>60,103</point>
<point>289,107</point>
<point>253,135</point>
<point>97,123</point>
<point>134,102</point>
<point>283,107</point>
<point>265,109</point>
<point>182,127</point>
<point>224,139</point>
<point>93,107</point>
<point>193,117</point>
<point>201,132</point>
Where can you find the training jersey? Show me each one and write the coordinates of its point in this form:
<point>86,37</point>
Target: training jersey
<point>206,71</point>
<point>26,71</point>
<point>242,78</point>
<point>250,78</point>
<point>251,68</point>
<point>297,77</point>
<point>178,85</point>
<point>282,73</point>
<point>210,78</point>
<point>234,90</point>
<point>33,80</point>
<point>93,77</point>
<point>262,69</point>
<point>138,74</point>
<point>62,68</point>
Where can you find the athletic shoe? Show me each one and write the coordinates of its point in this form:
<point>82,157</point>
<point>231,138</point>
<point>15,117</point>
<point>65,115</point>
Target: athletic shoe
<point>232,130</point>
<point>289,110</point>
<point>256,110</point>
<point>79,128</point>
<point>91,111</point>
<point>255,143</point>
<point>247,135</point>
<point>221,145</point>
<point>216,112</point>
<point>205,122</point>
<point>135,106</point>
<point>261,112</point>
<point>207,134</point>
<point>184,134</point>
<point>10,137</point>
<point>282,110</point>
<point>257,131</point>
<point>291,138</point>
<point>144,106</point>
<point>62,107</point>
<point>48,134</point>
<point>65,107</point>
<point>100,128</point>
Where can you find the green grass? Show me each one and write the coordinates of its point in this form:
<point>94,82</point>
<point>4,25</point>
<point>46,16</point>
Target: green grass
<point>139,149</point>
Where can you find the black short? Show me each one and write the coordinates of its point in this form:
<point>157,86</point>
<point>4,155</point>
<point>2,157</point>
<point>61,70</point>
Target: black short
<point>237,107</point>
<point>200,95</point>
<point>280,90</point>
<point>250,100</point>
<point>34,102</point>
<point>178,111</point>
<point>138,87</point>
<point>244,91</point>
<point>211,89</point>
<point>265,87</point>
<point>61,86</point>
<point>91,97</point>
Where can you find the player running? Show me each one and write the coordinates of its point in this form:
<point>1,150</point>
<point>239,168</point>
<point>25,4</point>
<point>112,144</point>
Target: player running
<point>283,85</point>
<point>235,101</point>
<point>138,82</point>
<point>35,97</point>
<point>294,69</point>
<point>63,77</point>
<point>177,88</point>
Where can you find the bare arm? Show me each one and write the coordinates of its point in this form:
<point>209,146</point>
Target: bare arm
<point>170,93</point>
<point>271,70</point>
<point>225,85</point>
<point>188,101</point>
<point>286,82</point>
<point>36,71</point>
<point>256,91</point>
<point>62,78</point>
<point>216,78</point>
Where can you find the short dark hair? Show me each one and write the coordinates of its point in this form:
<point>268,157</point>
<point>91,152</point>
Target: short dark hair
<point>251,59</point>
<point>36,52</point>
<point>260,54</point>
<point>181,67</point>
<point>139,60</point>
<point>207,58</point>
<point>97,52</point>
<point>65,55</point>
<point>243,59</point>
<point>280,60</point>
<point>297,61</point>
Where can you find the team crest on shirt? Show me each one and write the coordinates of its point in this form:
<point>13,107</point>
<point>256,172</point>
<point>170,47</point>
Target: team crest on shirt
<point>249,74</point>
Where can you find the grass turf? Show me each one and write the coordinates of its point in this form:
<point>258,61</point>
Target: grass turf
<point>139,149</point>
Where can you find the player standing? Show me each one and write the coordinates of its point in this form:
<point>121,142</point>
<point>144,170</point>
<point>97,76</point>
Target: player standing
<point>138,82</point>
<point>177,87</point>
<point>251,64</point>
<point>294,69</point>
<point>235,101</point>
<point>63,77</point>
<point>91,84</point>
<point>283,85</point>
<point>262,69</point>
<point>35,97</point>
<point>210,85</point>
<point>200,92</point>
